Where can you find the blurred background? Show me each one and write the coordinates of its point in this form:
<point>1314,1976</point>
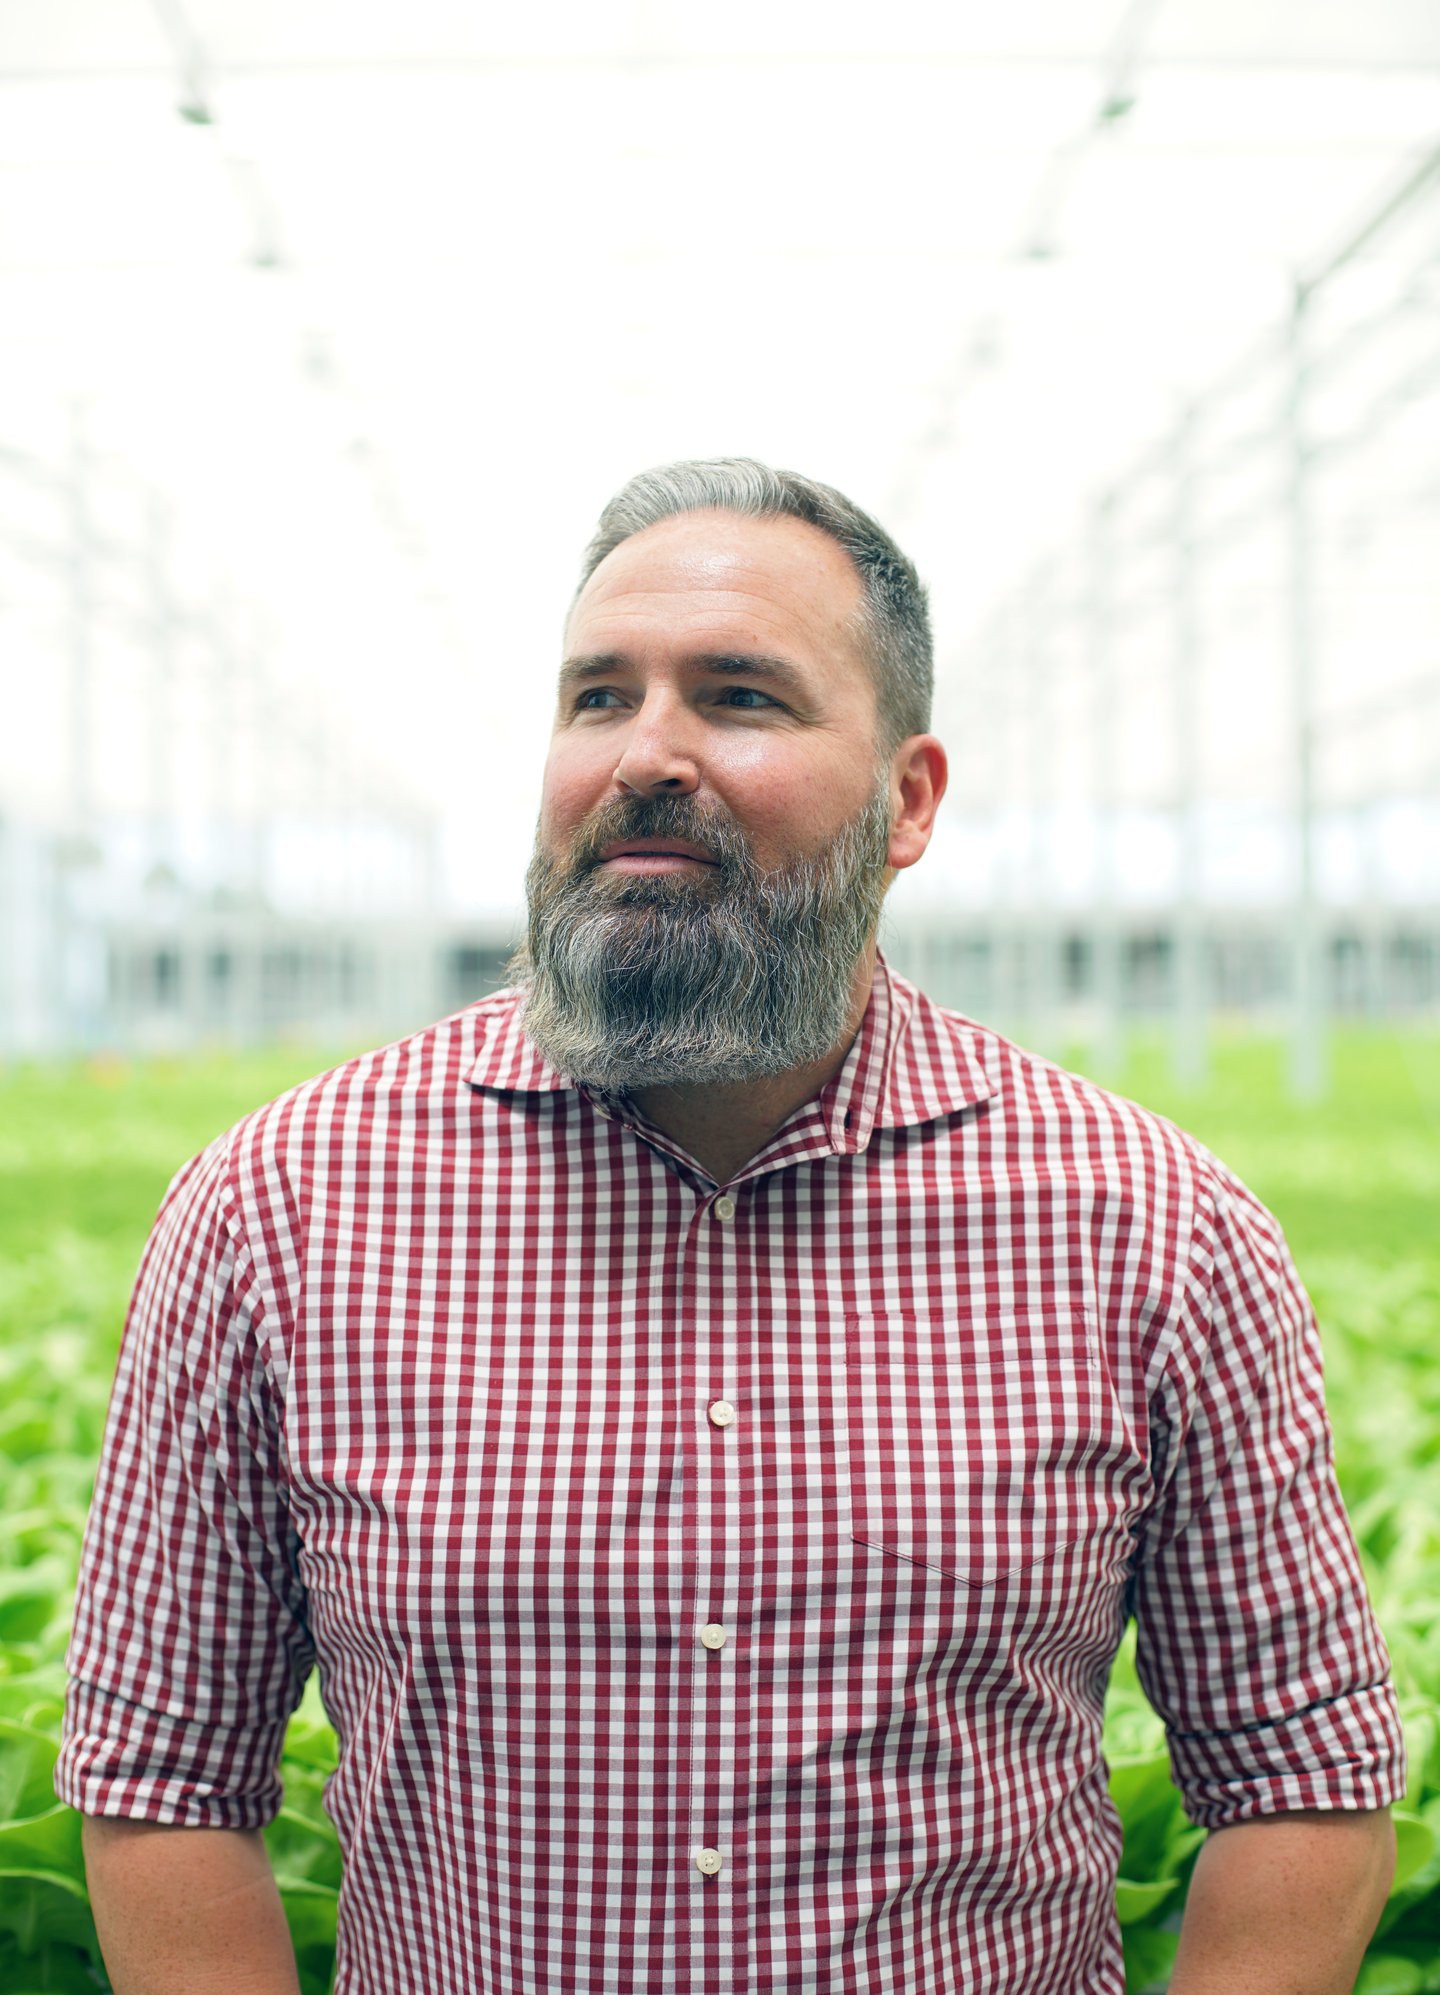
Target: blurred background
<point>326,329</point>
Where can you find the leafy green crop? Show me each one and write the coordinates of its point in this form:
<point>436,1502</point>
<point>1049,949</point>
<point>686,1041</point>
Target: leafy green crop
<point>85,1154</point>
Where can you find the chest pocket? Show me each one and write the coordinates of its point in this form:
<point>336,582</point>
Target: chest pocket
<point>986,1449</point>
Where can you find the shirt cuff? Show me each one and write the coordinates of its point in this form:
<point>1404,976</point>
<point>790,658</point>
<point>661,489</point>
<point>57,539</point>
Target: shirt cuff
<point>120,1759</point>
<point>1347,1753</point>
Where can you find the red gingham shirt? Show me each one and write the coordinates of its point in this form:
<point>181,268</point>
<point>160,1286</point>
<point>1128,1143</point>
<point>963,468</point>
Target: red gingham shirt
<point>714,1590</point>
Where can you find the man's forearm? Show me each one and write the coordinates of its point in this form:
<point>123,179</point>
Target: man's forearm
<point>187,1911</point>
<point>1285,1905</point>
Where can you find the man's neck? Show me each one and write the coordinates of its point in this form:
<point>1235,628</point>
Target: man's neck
<point>722,1126</point>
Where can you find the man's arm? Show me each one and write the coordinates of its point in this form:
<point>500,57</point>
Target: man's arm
<point>1285,1905</point>
<point>187,1911</point>
<point>191,1643</point>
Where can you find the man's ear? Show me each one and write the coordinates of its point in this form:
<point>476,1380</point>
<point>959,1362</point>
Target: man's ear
<point>919,774</point>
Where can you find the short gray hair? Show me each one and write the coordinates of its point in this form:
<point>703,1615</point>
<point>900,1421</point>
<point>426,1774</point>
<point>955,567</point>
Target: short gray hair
<point>896,617</point>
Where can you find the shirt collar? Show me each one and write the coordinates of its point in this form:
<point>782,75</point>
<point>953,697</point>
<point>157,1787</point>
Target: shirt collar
<point>910,1062</point>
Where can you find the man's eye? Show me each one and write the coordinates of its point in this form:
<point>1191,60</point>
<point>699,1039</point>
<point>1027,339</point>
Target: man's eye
<point>598,696</point>
<point>746,696</point>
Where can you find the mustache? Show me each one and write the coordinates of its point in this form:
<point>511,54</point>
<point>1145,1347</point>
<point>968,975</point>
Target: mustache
<point>703,824</point>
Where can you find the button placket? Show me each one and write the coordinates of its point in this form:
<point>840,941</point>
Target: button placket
<point>715,1755</point>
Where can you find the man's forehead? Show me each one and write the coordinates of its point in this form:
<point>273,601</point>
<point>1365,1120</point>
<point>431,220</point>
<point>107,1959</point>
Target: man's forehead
<point>714,566</point>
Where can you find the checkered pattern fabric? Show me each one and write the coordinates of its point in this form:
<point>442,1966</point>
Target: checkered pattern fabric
<point>714,1588</point>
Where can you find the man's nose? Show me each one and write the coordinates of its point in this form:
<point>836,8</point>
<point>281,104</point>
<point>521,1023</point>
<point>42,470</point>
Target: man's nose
<point>659,755</point>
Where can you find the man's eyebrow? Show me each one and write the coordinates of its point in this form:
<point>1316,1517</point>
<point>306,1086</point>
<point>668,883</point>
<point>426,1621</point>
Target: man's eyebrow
<point>736,664</point>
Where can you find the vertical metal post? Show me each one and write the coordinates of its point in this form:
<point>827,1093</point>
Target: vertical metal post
<point>1108,1049</point>
<point>76,950</point>
<point>160,747</point>
<point>1008,934</point>
<point>426,861</point>
<point>80,689</point>
<point>1370,925</point>
<point>358,824</point>
<point>1038,722</point>
<point>162,804</point>
<point>252,719</point>
<point>1307,1047</point>
<point>1188,1047</point>
<point>979,742</point>
<point>240,732</point>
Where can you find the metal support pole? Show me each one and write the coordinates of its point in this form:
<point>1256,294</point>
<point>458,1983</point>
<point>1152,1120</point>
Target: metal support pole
<point>165,892</point>
<point>271,746</point>
<point>979,693</point>
<point>1039,725</point>
<point>160,746</point>
<point>242,722</point>
<point>76,950</point>
<point>426,861</point>
<point>1307,1047</point>
<point>1188,1047</point>
<point>80,690</point>
<point>1109,1044</point>
<point>1008,935</point>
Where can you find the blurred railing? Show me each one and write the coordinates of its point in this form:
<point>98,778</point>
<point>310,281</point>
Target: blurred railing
<point>1216,708</point>
<point>161,775</point>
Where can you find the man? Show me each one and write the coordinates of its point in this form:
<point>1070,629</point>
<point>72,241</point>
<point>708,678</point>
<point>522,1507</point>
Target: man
<point>711,1414</point>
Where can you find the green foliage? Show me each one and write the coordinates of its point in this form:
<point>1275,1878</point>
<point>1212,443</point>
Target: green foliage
<point>85,1155</point>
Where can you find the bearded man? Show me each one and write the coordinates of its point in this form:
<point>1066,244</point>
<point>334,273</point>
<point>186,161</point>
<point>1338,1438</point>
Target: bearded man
<point>712,1414</point>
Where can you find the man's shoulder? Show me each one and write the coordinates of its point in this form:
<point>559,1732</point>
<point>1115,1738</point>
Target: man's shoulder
<point>424,1075</point>
<point>1073,1116</point>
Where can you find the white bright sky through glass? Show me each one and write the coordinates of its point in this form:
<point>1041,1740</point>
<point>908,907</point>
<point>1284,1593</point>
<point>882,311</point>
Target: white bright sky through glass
<point>436,278</point>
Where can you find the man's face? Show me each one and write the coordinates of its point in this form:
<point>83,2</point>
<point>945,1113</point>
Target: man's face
<point>716,658</point>
<point>712,849</point>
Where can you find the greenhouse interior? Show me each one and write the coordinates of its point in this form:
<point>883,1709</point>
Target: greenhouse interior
<point>327,329</point>
<point>1121,318</point>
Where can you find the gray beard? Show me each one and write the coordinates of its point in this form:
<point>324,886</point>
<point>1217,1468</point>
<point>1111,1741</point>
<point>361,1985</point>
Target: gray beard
<point>661,979</point>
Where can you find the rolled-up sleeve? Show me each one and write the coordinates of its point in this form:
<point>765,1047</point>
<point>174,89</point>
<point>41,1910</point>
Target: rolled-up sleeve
<point>190,1646</point>
<point>1255,1638</point>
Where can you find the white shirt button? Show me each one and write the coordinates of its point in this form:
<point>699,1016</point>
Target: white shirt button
<point>708,1862</point>
<point>721,1413</point>
<point>713,1635</point>
<point>724,1207</point>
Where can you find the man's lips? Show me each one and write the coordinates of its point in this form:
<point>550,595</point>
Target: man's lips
<point>652,855</point>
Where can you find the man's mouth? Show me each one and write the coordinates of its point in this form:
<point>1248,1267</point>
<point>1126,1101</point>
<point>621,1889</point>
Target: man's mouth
<point>652,855</point>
